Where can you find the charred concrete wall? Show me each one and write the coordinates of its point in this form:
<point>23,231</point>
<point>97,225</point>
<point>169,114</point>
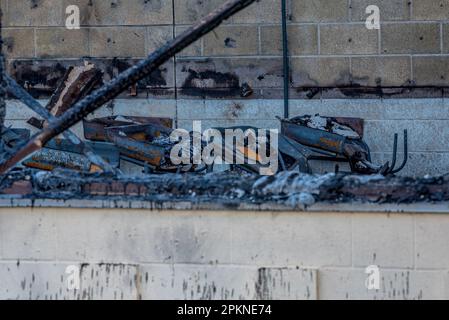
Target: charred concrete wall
<point>199,255</point>
<point>330,46</point>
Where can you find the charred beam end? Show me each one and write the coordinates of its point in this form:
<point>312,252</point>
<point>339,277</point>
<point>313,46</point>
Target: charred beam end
<point>126,79</point>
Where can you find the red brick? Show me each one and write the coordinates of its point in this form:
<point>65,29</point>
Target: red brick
<point>21,187</point>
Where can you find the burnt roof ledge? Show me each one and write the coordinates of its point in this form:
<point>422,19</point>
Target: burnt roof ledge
<point>224,191</point>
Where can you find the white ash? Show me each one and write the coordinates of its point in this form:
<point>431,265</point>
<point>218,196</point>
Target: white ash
<point>298,188</point>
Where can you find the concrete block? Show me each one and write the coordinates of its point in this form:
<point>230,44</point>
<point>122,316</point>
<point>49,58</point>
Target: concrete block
<point>157,36</point>
<point>445,38</point>
<point>381,71</point>
<point>4,8</point>
<point>420,164</point>
<point>28,14</point>
<point>287,284</point>
<point>35,281</point>
<point>232,40</point>
<point>229,109</point>
<point>431,71</point>
<point>430,10</point>
<point>386,241</point>
<point>118,42</point>
<point>109,282</point>
<point>201,239</point>
<point>349,284</point>
<point>120,239</point>
<point>361,108</point>
<point>319,10</point>
<point>320,71</point>
<point>195,49</point>
<point>411,38</point>
<point>62,43</point>
<point>149,12</point>
<point>194,282</point>
<point>197,282</point>
<point>145,107</point>
<point>27,236</point>
<point>294,240</point>
<point>389,9</point>
<point>18,43</point>
<point>416,109</point>
<point>259,12</point>
<point>191,11</point>
<point>348,39</point>
<point>421,134</point>
<point>303,40</point>
<point>432,243</point>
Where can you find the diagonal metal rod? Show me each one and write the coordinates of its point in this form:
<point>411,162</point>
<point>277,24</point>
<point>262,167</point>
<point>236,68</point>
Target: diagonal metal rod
<point>127,78</point>
<point>16,90</point>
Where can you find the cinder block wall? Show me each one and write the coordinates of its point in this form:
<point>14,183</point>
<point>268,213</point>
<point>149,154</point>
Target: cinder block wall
<point>199,255</point>
<point>329,43</point>
<point>395,77</point>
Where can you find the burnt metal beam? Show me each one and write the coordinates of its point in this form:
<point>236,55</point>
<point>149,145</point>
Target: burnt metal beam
<point>126,79</point>
<point>16,90</point>
<point>78,82</point>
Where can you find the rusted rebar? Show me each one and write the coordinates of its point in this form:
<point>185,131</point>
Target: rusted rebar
<point>123,81</point>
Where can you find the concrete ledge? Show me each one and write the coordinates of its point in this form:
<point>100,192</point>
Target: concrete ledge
<point>17,202</point>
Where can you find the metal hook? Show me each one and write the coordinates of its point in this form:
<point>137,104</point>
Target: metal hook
<point>395,152</point>
<point>404,162</point>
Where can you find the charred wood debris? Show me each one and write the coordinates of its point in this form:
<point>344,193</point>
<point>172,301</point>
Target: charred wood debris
<point>56,164</point>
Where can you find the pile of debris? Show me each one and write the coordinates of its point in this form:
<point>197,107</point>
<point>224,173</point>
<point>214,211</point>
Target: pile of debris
<point>302,139</point>
<point>94,164</point>
<point>145,141</point>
